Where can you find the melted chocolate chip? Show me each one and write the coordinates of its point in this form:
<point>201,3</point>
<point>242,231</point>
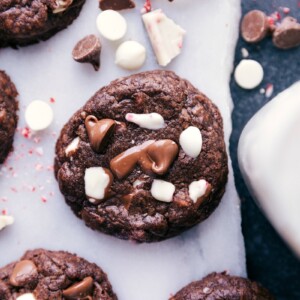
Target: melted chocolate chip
<point>99,132</point>
<point>24,273</point>
<point>116,4</point>
<point>80,290</point>
<point>153,157</point>
<point>162,153</point>
<point>287,34</point>
<point>255,26</point>
<point>88,50</point>
<point>202,198</point>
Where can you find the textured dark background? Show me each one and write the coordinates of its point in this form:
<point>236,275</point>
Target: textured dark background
<point>268,258</point>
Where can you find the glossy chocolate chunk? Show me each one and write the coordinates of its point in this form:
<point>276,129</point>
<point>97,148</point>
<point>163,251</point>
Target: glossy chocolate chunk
<point>254,26</point>
<point>287,34</point>
<point>116,4</point>
<point>99,132</point>
<point>88,50</point>
<point>23,273</point>
<point>79,290</point>
<point>153,157</point>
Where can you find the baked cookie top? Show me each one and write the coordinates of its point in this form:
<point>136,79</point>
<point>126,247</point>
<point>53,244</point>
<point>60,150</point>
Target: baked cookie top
<point>49,275</point>
<point>144,159</point>
<point>221,286</point>
<point>8,114</point>
<point>24,22</point>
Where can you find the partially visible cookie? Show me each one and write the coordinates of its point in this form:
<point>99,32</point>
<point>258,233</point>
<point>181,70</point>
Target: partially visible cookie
<point>8,114</point>
<point>54,275</point>
<point>144,159</point>
<point>221,286</point>
<point>29,21</point>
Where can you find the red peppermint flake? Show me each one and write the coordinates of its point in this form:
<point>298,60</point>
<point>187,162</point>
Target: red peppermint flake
<point>44,199</point>
<point>37,140</point>
<point>52,100</point>
<point>38,167</point>
<point>13,189</point>
<point>39,151</point>
<point>26,133</point>
<point>269,90</point>
<point>271,21</point>
<point>4,212</point>
<point>286,10</point>
<point>50,168</point>
<point>147,6</point>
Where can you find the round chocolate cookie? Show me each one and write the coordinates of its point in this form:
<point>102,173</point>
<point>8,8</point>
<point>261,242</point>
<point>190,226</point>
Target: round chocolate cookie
<point>29,21</point>
<point>144,159</point>
<point>8,114</point>
<point>221,286</point>
<point>53,275</point>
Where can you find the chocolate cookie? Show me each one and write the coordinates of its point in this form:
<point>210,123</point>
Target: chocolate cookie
<point>8,114</point>
<point>29,21</point>
<point>53,275</point>
<point>221,286</point>
<point>144,159</point>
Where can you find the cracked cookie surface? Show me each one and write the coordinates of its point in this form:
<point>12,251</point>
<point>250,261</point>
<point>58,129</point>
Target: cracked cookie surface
<point>151,199</point>
<point>8,114</point>
<point>24,22</point>
<point>54,275</point>
<point>221,286</point>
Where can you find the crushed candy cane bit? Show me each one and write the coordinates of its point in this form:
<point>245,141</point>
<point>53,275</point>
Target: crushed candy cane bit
<point>269,90</point>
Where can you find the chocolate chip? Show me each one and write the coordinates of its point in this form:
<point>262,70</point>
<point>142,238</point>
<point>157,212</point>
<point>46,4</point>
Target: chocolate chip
<point>116,4</point>
<point>88,50</point>
<point>153,157</point>
<point>24,273</point>
<point>287,34</point>
<point>99,132</point>
<point>255,26</point>
<point>79,290</point>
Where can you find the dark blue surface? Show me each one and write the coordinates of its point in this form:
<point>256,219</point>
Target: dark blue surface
<point>269,260</point>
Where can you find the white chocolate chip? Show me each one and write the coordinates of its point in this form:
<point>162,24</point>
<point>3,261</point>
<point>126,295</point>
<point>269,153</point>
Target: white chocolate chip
<point>197,189</point>
<point>165,35</point>
<point>72,147</point>
<point>5,221</point>
<point>62,5</point>
<point>248,74</point>
<point>111,24</point>
<point>137,182</point>
<point>152,121</point>
<point>130,55</point>
<point>191,141</point>
<point>96,181</point>
<point>38,115</point>
<point>27,296</point>
<point>162,190</point>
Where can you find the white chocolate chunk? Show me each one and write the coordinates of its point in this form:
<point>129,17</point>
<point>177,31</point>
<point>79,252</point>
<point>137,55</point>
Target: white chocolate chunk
<point>197,189</point>
<point>38,115</point>
<point>152,121</point>
<point>27,296</point>
<point>248,74</point>
<point>130,55</point>
<point>165,35</point>
<point>111,24</point>
<point>5,221</point>
<point>62,5</point>
<point>269,159</point>
<point>72,147</point>
<point>191,141</point>
<point>96,181</point>
<point>162,190</point>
